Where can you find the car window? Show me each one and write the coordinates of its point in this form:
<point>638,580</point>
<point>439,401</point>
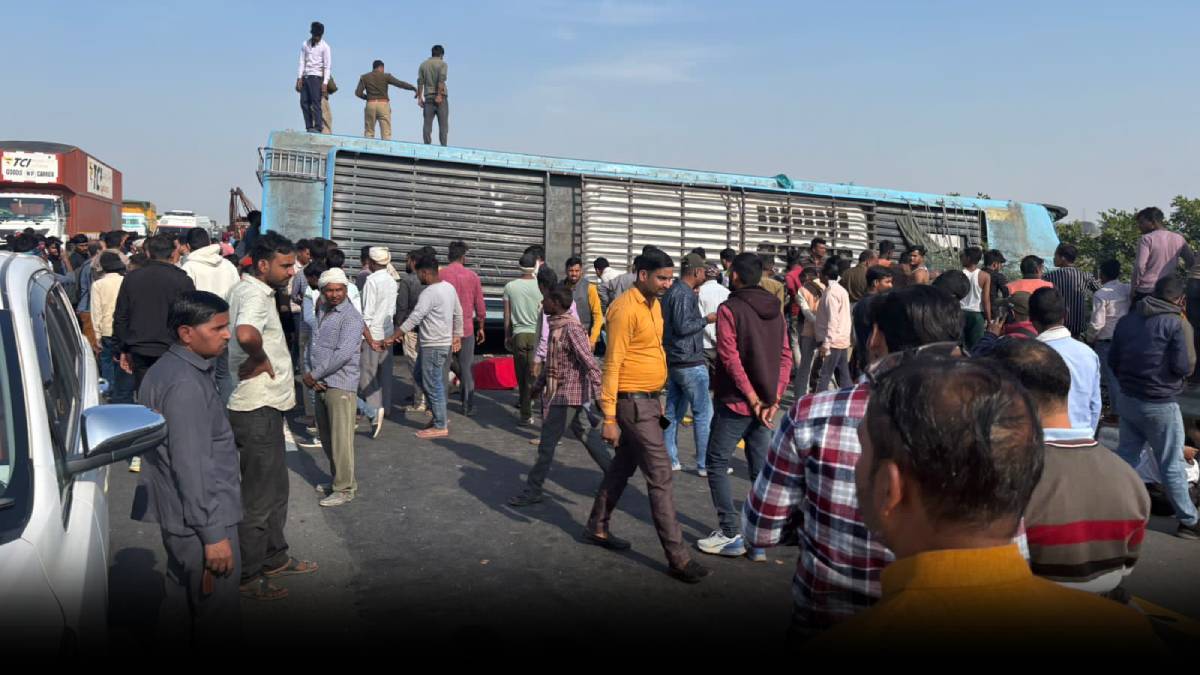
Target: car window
<point>56,335</point>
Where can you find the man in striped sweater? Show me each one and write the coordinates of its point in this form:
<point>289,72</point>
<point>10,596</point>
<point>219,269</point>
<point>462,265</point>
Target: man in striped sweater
<point>1087,517</point>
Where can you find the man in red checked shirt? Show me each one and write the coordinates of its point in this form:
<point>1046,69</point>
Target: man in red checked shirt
<point>807,484</point>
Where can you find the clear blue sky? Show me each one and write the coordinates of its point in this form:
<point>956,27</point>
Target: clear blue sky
<point>1090,105</point>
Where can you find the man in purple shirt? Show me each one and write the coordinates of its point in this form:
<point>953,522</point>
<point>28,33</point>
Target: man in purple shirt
<point>1158,252</point>
<point>470,296</point>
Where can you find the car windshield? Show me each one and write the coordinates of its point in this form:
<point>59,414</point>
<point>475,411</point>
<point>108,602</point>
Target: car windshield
<point>32,209</point>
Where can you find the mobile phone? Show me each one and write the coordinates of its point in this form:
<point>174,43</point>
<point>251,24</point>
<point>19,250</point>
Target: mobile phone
<point>664,422</point>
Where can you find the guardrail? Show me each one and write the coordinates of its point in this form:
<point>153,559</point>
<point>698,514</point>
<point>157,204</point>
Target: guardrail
<point>291,164</point>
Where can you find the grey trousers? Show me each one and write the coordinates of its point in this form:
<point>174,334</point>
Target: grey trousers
<point>442,112</point>
<point>189,614</point>
<point>373,368</point>
<point>460,364</point>
<point>335,421</point>
<point>553,428</point>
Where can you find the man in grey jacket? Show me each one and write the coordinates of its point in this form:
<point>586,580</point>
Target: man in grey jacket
<point>687,372</point>
<point>190,485</point>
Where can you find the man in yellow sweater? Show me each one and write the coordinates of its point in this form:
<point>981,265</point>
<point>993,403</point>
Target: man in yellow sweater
<point>635,370</point>
<point>951,453</point>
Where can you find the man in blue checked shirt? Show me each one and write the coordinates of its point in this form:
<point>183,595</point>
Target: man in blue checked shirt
<point>334,375</point>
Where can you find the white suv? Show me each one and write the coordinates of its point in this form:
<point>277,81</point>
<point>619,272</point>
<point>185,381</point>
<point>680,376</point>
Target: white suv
<point>56,441</point>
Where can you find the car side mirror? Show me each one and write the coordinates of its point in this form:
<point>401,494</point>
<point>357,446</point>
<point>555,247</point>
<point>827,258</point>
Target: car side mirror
<point>116,432</point>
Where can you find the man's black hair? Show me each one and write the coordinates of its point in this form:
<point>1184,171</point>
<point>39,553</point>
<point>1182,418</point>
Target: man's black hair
<point>917,315</point>
<point>749,268</point>
<point>1170,289</point>
<point>1046,307</point>
<point>877,273</point>
<point>886,246</point>
<point>376,64</point>
<point>573,261</point>
<point>728,254</point>
<point>267,246</point>
<point>438,50</point>
<point>954,282</point>
<point>1038,368</point>
<point>546,277</point>
<point>112,238</point>
<point>197,238</point>
<point>1110,270</point>
<point>832,269</point>
<point>23,243</point>
<point>160,247</point>
<point>457,250</point>
<point>364,253</point>
<point>317,29</point>
<point>537,250</point>
<point>993,256</point>
<point>699,250</point>
<point>972,255</point>
<point>866,255</point>
<point>194,308</point>
<point>426,262</point>
<point>1030,265</point>
<point>255,218</point>
<point>528,260</point>
<point>1151,214</point>
<point>315,269</point>
<point>652,260</point>
<point>600,264</point>
<point>303,245</point>
<point>561,295</point>
<point>318,248</point>
<point>817,241</point>
<point>335,258</point>
<point>918,249</point>
<point>1067,252</point>
<point>968,434</point>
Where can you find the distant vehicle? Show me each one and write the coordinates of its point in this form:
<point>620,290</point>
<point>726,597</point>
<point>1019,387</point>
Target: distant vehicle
<point>56,442</point>
<point>139,218</point>
<point>403,195</point>
<point>56,189</point>
<point>179,221</point>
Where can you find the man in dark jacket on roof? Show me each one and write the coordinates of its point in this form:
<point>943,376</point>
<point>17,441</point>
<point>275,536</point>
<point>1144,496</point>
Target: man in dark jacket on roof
<point>1151,354</point>
<point>754,361</point>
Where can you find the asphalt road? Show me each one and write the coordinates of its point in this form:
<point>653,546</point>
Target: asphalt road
<point>429,552</point>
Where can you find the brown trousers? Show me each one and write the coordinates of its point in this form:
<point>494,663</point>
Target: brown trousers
<point>642,447</point>
<point>381,112</point>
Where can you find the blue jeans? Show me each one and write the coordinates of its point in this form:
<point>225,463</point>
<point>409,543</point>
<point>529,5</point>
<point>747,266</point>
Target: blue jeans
<point>1160,425</point>
<point>728,428</point>
<point>120,382</point>
<point>688,386</point>
<point>433,362</point>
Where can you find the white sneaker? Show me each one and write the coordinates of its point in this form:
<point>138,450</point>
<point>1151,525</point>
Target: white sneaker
<point>718,544</point>
<point>310,443</point>
<point>703,473</point>
<point>676,466</point>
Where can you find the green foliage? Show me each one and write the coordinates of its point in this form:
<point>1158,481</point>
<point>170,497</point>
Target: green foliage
<point>1119,234</point>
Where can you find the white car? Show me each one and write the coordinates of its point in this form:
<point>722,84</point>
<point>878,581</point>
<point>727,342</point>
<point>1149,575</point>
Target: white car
<point>56,442</point>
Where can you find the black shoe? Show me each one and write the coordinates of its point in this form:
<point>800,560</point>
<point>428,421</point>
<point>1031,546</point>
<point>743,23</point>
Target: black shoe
<point>608,541</point>
<point>469,410</point>
<point>691,573</point>
<point>526,498</point>
<point>1189,532</point>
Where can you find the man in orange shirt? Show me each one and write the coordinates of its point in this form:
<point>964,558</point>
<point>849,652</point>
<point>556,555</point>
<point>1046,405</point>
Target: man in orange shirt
<point>951,453</point>
<point>1031,273</point>
<point>635,370</point>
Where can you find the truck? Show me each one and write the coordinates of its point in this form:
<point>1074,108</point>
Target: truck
<point>361,191</point>
<point>179,221</point>
<point>58,190</point>
<point>140,218</point>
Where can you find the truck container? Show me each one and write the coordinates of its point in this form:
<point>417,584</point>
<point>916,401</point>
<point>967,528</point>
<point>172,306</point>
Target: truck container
<point>140,218</point>
<point>58,190</point>
<point>359,191</point>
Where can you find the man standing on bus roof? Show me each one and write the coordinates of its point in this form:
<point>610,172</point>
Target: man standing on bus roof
<point>312,81</point>
<point>431,95</point>
<point>373,88</point>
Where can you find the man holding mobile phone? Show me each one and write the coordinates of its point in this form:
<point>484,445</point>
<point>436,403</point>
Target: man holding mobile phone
<point>635,370</point>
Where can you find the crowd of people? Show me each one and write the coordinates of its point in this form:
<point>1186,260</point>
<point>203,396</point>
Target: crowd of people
<point>940,459</point>
<point>315,84</point>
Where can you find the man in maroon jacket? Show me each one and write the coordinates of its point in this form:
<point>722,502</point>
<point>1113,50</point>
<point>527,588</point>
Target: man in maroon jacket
<point>754,361</point>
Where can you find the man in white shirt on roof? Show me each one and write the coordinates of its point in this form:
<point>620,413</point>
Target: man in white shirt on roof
<point>312,80</point>
<point>375,359</point>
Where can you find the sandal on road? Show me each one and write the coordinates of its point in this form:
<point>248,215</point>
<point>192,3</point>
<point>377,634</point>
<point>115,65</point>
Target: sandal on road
<point>262,589</point>
<point>292,567</point>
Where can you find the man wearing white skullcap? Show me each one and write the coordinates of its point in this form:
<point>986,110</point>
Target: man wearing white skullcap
<point>334,376</point>
<point>379,306</point>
